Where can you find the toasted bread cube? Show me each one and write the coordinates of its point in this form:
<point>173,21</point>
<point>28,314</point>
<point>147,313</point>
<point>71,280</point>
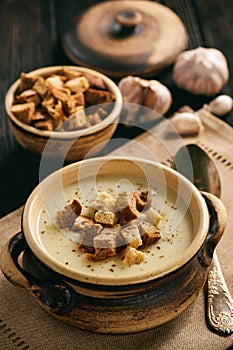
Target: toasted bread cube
<point>105,245</point>
<point>69,74</point>
<point>77,84</point>
<point>142,200</point>
<point>132,256</point>
<point>44,124</point>
<point>149,233</point>
<point>104,201</point>
<point>126,207</point>
<point>61,94</point>
<point>54,82</point>
<point>95,97</point>
<point>105,217</point>
<point>26,82</point>
<point>28,96</point>
<point>131,235</point>
<point>38,116</point>
<point>95,81</point>
<point>89,230</point>
<point>56,112</point>
<point>74,103</point>
<point>81,222</point>
<point>24,111</point>
<point>67,216</point>
<point>40,86</point>
<point>94,119</point>
<point>76,121</point>
<point>152,216</point>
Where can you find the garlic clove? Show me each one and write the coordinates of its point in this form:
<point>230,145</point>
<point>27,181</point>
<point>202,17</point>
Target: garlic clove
<point>148,93</point>
<point>186,123</point>
<point>221,105</point>
<point>157,97</point>
<point>132,92</point>
<point>201,71</point>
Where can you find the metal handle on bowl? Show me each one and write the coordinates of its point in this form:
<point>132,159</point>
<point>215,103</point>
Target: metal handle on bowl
<point>217,213</point>
<point>53,294</point>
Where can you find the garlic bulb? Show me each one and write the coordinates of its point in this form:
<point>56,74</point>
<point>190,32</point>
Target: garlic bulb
<point>201,71</point>
<point>186,123</point>
<point>155,95</point>
<point>148,93</point>
<point>221,105</point>
<point>131,90</point>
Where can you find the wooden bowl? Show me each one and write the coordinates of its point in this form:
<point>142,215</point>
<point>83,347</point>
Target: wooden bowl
<point>68,145</point>
<point>109,296</point>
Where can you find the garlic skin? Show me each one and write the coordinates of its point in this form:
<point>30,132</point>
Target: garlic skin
<point>131,90</point>
<point>221,105</point>
<point>186,123</point>
<point>148,93</point>
<point>201,71</point>
<point>155,95</point>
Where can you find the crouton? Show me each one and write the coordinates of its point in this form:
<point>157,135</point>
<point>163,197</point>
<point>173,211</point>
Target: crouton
<point>69,74</point>
<point>40,86</point>
<point>149,233</point>
<point>76,121</point>
<point>93,119</point>
<point>46,124</point>
<point>71,104</point>
<point>105,217</point>
<point>26,82</point>
<point>56,112</point>
<point>132,256</point>
<point>61,94</point>
<point>105,245</point>
<point>67,216</point>
<point>142,200</point>
<point>54,82</point>
<point>131,235</point>
<point>104,201</point>
<point>28,96</point>
<point>126,207</point>
<point>95,97</point>
<point>77,84</point>
<point>95,81</point>
<point>24,111</point>
<point>89,230</point>
<point>151,215</point>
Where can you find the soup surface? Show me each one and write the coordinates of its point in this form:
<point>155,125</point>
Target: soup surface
<point>176,226</point>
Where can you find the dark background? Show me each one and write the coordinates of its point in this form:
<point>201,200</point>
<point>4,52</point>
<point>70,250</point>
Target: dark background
<point>31,35</point>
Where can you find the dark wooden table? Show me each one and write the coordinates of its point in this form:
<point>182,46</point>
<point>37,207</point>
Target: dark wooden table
<point>31,37</point>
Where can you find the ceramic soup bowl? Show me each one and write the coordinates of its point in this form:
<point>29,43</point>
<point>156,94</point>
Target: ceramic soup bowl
<point>110,295</point>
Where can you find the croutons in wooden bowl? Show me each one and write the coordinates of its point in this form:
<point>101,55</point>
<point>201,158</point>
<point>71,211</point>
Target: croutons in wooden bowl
<point>63,111</point>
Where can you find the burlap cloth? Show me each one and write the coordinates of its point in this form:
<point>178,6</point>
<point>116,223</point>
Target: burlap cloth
<point>25,325</point>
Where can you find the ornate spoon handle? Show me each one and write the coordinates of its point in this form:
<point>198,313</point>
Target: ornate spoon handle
<point>220,302</point>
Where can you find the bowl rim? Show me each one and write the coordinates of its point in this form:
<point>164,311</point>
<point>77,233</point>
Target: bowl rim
<point>80,276</point>
<point>111,118</point>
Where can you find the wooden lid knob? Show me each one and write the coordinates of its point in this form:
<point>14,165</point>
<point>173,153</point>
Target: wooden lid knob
<point>129,18</point>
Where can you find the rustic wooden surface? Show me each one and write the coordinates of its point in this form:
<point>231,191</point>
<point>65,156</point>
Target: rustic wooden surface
<point>31,35</point>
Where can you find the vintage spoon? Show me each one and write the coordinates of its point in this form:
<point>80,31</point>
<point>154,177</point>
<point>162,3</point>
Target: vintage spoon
<point>194,163</point>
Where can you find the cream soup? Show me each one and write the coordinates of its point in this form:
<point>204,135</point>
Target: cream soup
<point>176,226</point>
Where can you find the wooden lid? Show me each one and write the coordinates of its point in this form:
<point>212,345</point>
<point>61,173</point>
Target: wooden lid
<point>126,37</point>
